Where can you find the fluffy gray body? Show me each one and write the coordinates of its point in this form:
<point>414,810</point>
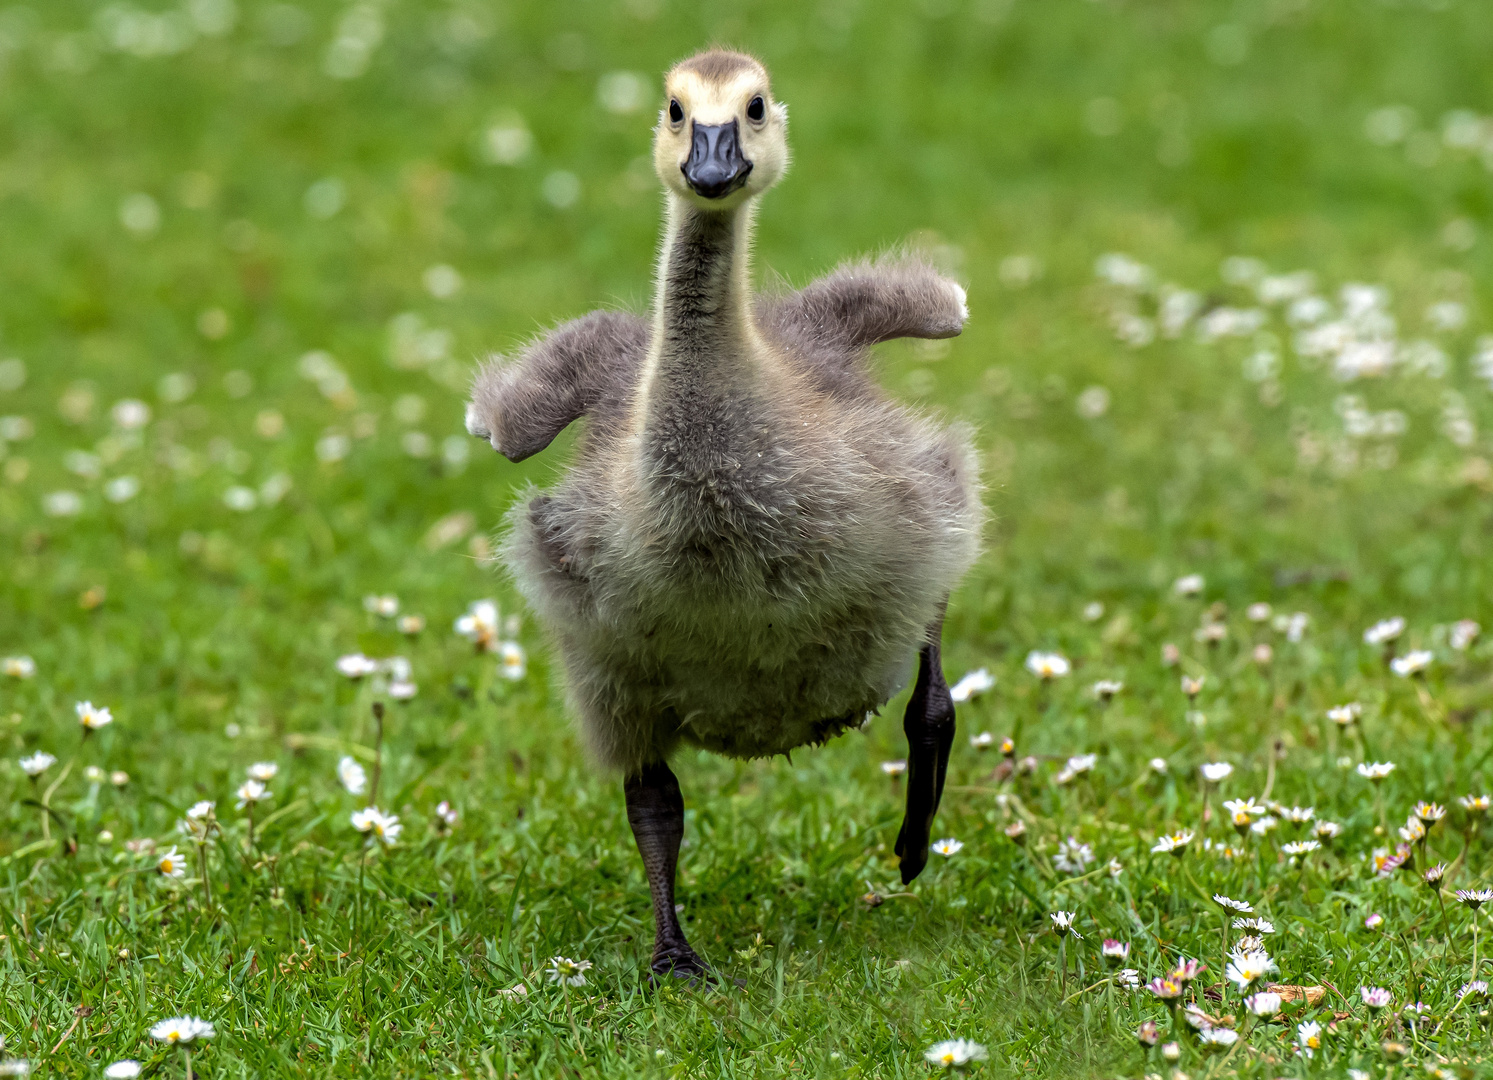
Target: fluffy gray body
<point>753,540</point>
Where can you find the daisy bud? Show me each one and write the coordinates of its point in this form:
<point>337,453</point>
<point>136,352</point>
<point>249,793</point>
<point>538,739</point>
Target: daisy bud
<point>1375,997</point>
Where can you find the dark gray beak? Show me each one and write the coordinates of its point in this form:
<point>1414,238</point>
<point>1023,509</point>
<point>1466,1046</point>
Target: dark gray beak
<point>715,167</point>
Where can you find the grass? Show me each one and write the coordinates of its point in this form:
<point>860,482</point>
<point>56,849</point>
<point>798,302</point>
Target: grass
<point>286,210</point>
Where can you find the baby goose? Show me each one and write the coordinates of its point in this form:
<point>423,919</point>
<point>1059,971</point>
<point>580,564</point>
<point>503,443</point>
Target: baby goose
<point>753,540</point>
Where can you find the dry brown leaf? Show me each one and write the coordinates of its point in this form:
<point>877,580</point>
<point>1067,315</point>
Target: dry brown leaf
<point>1312,995</point>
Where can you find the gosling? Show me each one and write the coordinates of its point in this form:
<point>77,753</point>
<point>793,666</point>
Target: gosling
<point>753,540</point>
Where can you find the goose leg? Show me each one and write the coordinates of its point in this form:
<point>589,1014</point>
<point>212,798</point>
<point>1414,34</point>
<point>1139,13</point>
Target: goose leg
<point>655,810</point>
<point>929,724</point>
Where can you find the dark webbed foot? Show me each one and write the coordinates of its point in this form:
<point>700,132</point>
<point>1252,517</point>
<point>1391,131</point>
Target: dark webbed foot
<point>655,809</point>
<point>682,962</point>
<point>929,724</point>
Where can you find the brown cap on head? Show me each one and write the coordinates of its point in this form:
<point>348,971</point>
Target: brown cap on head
<point>719,65</point>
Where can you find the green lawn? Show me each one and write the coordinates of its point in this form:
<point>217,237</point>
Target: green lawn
<point>289,229</point>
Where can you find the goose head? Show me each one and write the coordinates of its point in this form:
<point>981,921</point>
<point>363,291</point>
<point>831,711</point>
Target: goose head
<point>721,138</point>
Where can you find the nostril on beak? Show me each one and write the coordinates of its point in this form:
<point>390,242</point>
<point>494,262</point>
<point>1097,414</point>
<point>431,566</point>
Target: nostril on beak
<point>715,166</point>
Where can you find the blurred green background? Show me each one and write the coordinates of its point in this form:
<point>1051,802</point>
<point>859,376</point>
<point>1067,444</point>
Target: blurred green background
<point>289,229</point>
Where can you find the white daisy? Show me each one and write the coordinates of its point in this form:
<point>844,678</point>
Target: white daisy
<point>1073,857</point>
<point>37,763</point>
<point>352,776</point>
<point>1245,968</point>
<point>1105,689</point>
<point>1412,663</point>
<point>1264,1003</point>
<point>513,661</point>
<point>250,792</point>
<point>1217,1038</point>
<point>18,667</point>
<point>171,864</point>
<point>385,607</point>
<point>480,625</point>
<point>570,972</point>
<point>1309,1038</point>
<point>955,1054</point>
<point>181,1030</point>
<point>384,827</point>
<point>1463,633</point>
<point>356,665</point>
<point>971,685</point>
<point>1175,844</point>
<point>1188,585</point>
<point>1344,715</point>
<point>93,717</point>
<point>1047,665</point>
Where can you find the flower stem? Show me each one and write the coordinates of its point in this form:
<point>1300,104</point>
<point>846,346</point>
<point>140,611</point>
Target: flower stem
<point>378,752</point>
<point>1225,948</point>
<point>570,1015</point>
<point>1063,962</point>
<point>1474,946</point>
<point>358,931</point>
<point>207,880</point>
<point>46,798</point>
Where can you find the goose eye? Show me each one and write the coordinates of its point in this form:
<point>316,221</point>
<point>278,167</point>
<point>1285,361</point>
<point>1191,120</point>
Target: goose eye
<point>756,109</point>
<point>676,111</point>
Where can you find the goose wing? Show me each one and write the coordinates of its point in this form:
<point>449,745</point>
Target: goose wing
<point>861,303</point>
<point>520,404</point>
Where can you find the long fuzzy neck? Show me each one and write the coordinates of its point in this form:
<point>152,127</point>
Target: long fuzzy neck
<point>705,362</point>
<point>704,342</point>
<point>704,275</point>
